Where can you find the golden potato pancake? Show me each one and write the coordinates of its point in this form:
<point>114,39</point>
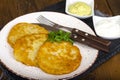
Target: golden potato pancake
<point>26,48</point>
<point>22,29</point>
<point>58,57</point>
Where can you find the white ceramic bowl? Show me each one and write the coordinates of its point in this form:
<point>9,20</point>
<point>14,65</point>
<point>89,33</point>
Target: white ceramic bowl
<point>107,27</point>
<point>89,2</point>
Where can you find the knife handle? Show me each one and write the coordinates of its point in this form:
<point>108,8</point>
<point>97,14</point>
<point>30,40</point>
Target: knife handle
<point>90,40</point>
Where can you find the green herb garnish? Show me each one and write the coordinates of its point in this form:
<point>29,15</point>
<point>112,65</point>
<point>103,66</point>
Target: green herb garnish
<point>58,36</point>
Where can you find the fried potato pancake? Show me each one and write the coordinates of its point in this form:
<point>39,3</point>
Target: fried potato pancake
<point>58,57</point>
<point>22,29</point>
<point>26,48</point>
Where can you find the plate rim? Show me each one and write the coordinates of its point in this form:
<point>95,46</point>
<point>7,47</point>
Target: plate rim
<point>41,12</point>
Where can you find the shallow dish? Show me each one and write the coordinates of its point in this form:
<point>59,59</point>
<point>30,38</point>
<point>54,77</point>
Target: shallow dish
<point>107,27</point>
<point>89,2</point>
<point>89,54</point>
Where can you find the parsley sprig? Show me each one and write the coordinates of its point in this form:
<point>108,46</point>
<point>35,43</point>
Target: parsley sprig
<point>58,36</point>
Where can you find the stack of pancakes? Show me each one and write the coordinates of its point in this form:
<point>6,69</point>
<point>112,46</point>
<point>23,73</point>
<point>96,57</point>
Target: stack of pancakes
<point>30,46</point>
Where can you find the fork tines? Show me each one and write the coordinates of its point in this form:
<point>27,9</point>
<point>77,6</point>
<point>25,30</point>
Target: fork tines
<point>43,20</point>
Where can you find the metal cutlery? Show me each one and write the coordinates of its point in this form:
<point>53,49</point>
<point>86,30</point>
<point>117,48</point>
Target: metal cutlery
<point>77,35</point>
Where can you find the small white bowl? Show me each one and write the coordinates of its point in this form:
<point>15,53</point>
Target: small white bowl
<point>89,2</point>
<point>107,27</point>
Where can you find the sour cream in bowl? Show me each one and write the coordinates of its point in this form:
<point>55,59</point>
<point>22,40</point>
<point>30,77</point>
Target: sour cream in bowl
<point>107,27</point>
<point>80,8</point>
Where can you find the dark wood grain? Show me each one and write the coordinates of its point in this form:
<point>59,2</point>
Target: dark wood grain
<point>102,6</point>
<point>90,40</point>
<point>114,6</point>
<point>10,9</point>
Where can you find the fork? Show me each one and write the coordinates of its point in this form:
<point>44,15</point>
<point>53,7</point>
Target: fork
<point>78,35</point>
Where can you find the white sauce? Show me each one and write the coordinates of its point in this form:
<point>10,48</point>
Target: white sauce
<point>108,28</point>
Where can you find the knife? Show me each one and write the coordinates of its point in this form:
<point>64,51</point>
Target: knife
<point>77,35</point>
<point>81,39</point>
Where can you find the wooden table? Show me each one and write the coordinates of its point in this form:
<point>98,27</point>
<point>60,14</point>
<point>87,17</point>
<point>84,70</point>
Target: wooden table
<point>10,9</point>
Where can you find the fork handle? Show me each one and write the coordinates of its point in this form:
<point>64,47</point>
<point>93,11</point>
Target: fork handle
<point>90,40</point>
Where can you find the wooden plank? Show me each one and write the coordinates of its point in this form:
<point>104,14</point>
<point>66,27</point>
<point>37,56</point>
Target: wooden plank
<point>10,9</point>
<point>114,6</point>
<point>102,8</point>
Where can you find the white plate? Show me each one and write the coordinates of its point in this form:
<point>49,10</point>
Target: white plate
<point>89,2</point>
<point>89,54</point>
<point>107,27</point>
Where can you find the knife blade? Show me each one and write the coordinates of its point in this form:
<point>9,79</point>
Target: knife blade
<point>76,36</point>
